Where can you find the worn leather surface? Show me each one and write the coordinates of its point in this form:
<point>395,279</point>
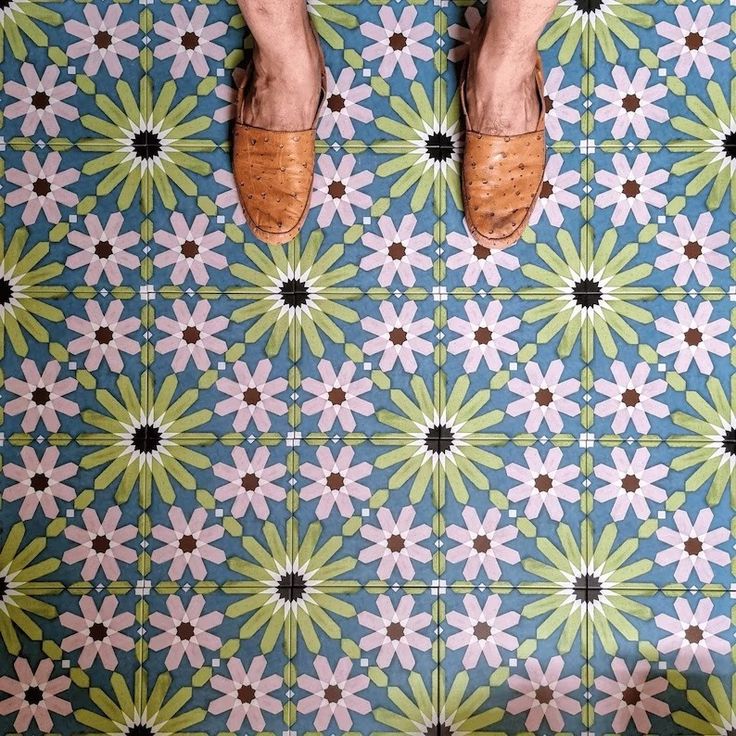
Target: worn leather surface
<point>501,178</point>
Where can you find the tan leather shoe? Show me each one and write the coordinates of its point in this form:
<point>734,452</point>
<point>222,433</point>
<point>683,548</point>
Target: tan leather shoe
<point>502,177</point>
<point>274,170</point>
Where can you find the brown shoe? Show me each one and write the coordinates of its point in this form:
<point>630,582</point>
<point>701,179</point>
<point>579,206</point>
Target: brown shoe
<point>502,177</point>
<point>274,170</point>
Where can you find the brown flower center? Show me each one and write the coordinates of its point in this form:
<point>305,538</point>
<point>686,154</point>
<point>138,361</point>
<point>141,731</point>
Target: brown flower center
<point>185,631</point>
<point>693,250</point>
<point>631,188</point>
<point>397,336</point>
<point>395,543</point>
<point>336,189</point>
<point>336,396</point>
<point>397,41</point>
<point>102,39</point>
<point>189,249</point>
<point>481,252</point>
<point>631,103</point>
<point>251,396</point>
<point>546,191</point>
<point>249,482</point>
<point>543,483</point>
<point>544,694</point>
<point>482,630</point>
<point>630,397</point>
<point>693,41</point>
<point>39,482</point>
<point>630,696</point>
<point>333,694</point>
<point>187,543</point>
<point>100,544</point>
<point>395,631</point>
<point>694,634</point>
<point>190,335</point>
<point>335,481</point>
<point>40,100</point>
<point>630,483</point>
<point>335,103</point>
<point>396,251</point>
<point>103,249</point>
<point>693,336</point>
<point>41,187</point>
<point>246,694</point>
<point>103,335</point>
<point>543,397</point>
<point>483,335</point>
<point>40,396</point>
<point>693,546</point>
<point>481,543</point>
<point>98,631</point>
<point>190,40</point>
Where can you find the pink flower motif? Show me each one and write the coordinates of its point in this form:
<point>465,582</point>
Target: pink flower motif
<point>630,483</point>
<point>40,100</point>
<point>190,40</point>
<point>557,99</point>
<point>693,249</point>
<point>396,543</point>
<point>631,696</point>
<point>693,41</point>
<point>333,694</point>
<point>543,482</point>
<point>398,337</point>
<point>252,397</point>
<point>100,544</point>
<point>544,397</point>
<point>188,249</point>
<point>187,544</point>
<point>397,41</point>
<point>191,335</point>
<point>482,631</point>
<point>39,482</point>
<point>337,189</point>
<point>482,544</point>
<point>397,251</point>
<point>98,632</point>
<point>342,104</point>
<point>544,695</point>
<point>41,397</point>
<point>693,546</point>
<point>34,696</point>
<point>41,187</point>
<point>631,189</point>
<point>693,634</point>
<point>104,336</point>
<point>103,249</point>
<point>396,631</point>
<point>335,481</point>
<point>554,193</point>
<point>483,336</point>
<point>631,102</point>
<point>102,40</point>
<point>631,397</point>
<point>462,33</point>
<point>337,396</point>
<point>229,197</point>
<point>228,93</point>
<point>693,337</point>
<point>185,631</point>
<point>477,260</point>
<point>246,694</point>
<point>250,482</point>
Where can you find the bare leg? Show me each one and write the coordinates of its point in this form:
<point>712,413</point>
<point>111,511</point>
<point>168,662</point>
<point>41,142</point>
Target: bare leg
<point>286,85</point>
<point>501,92</point>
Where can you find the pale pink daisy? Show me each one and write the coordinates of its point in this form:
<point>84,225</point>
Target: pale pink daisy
<point>693,337</point>
<point>185,631</point>
<point>483,336</point>
<point>104,249</point>
<point>337,189</point>
<point>41,187</point>
<point>342,104</point>
<point>631,695</point>
<point>483,631</point>
<point>544,397</point>
<point>545,696</point>
<point>631,397</point>
<point>398,336</point>
<point>396,543</point>
<point>337,397</point>
<point>693,250</point>
<point>252,397</point>
<point>40,100</point>
<point>554,192</point>
<point>228,93</point>
<point>190,40</point>
<point>397,251</point>
<point>693,546</point>
<point>395,631</point>
<point>335,481</point>
<point>461,33</point>
<point>630,484</point>
<point>693,634</point>
<point>398,41</point>
<point>246,694</point>
<point>333,694</point>
<point>543,482</point>
<point>251,481</point>
<point>104,336</point>
<point>39,482</point>
<point>98,632</point>
<point>694,41</point>
<point>101,545</point>
<point>189,248</point>
<point>482,545</point>
<point>631,102</point>
<point>478,260</point>
<point>632,188</point>
<point>42,397</point>
<point>102,39</point>
<point>34,696</point>
<point>229,197</point>
<point>557,101</point>
<point>188,544</point>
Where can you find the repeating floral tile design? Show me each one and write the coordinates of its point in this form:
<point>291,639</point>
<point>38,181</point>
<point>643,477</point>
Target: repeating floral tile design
<point>381,481</point>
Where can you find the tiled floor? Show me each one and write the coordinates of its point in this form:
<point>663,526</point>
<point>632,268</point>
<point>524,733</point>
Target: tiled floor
<point>381,481</point>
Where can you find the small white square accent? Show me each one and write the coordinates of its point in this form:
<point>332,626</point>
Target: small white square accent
<point>71,70</point>
<point>221,365</point>
<point>512,513</point>
<point>661,515</point>
<point>662,665</point>
<point>65,664</point>
<point>366,72</point>
<point>586,440</point>
<point>220,72</point>
<point>364,662</point>
<point>293,439</point>
<point>72,365</point>
<point>367,366</point>
<point>513,662</point>
<point>661,219</point>
<point>661,367</point>
<point>216,662</point>
<point>439,293</point>
<point>220,219</point>
<point>72,218</point>
<point>663,72</point>
<point>513,365</point>
<point>365,513</point>
<point>366,220</point>
<point>218,513</point>
<point>70,513</point>
<point>144,544</point>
